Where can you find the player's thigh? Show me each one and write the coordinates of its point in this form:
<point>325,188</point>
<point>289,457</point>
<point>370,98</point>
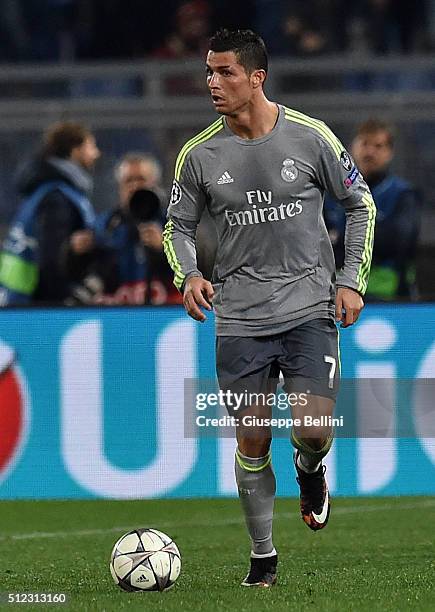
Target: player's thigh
<point>247,373</point>
<point>245,369</point>
<point>311,368</point>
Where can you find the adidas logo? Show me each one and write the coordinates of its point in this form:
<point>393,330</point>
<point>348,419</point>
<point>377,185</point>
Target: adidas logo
<point>225,178</point>
<point>142,578</point>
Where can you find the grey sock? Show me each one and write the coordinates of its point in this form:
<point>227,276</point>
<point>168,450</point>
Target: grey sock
<point>256,485</point>
<point>309,459</point>
<point>308,463</point>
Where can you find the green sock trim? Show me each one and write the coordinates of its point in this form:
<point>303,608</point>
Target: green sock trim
<point>305,448</point>
<point>249,468</point>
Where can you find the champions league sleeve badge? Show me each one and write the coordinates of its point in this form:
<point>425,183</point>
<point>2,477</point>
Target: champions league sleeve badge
<point>349,165</point>
<point>289,172</point>
<point>346,161</point>
<point>175,193</point>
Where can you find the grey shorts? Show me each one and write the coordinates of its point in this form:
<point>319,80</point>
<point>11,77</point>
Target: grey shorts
<point>306,356</point>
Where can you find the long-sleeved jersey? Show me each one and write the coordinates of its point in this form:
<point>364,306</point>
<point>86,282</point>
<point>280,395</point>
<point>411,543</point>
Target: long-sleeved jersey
<point>274,265</point>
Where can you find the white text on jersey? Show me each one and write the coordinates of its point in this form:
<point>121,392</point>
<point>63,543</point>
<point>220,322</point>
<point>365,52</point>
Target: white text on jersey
<point>264,215</point>
<point>259,196</point>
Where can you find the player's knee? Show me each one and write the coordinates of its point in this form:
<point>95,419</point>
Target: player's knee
<point>315,436</point>
<point>318,446</point>
<point>254,446</point>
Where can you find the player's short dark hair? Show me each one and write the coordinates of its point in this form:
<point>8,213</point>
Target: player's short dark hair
<point>62,137</point>
<point>248,47</point>
<point>373,126</point>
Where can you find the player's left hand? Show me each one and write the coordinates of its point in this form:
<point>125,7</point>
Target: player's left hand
<point>348,305</point>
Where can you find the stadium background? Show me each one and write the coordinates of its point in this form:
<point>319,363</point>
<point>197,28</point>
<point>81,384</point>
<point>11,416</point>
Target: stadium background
<point>123,406</point>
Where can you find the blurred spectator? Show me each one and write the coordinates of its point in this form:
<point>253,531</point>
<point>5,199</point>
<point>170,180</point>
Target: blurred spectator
<point>189,39</point>
<point>55,215</point>
<point>310,30</point>
<point>379,21</point>
<point>63,30</point>
<point>133,231</point>
<point>398,215</point>
<point>394,26</point>
<point>305,29</point>
<point>316,27</point>
<point>190,35</point>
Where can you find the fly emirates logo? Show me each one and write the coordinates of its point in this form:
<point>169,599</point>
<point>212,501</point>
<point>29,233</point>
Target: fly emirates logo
<point>262,210</point>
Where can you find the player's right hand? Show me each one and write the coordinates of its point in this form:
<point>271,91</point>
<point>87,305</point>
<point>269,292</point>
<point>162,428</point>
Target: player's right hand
<point>197,292</point>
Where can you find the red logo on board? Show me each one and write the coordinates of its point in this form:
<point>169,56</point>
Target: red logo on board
<point>12,408</point>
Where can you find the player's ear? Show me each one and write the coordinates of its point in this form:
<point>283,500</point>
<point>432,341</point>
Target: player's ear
<point>258,77</point>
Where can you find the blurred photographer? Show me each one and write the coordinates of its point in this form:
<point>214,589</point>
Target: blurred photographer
<point>133,231</point>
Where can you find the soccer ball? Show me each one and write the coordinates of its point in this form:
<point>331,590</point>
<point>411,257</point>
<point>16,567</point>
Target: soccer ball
<point>145,560</point>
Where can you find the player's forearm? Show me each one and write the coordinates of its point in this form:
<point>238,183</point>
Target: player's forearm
<point>360,224</point>
<point>180,249</point>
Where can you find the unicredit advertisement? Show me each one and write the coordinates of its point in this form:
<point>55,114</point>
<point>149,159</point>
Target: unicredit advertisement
<point>113,403</point>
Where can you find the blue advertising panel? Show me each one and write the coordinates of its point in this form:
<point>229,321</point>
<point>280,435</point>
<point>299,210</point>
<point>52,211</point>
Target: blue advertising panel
<point>92,405</point>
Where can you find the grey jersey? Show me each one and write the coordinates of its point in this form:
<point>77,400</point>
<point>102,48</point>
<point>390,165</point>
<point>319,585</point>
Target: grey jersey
<point>274,266</point>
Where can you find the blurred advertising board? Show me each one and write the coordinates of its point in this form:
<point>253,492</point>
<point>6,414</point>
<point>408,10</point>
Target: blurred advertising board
<point>92,404</point>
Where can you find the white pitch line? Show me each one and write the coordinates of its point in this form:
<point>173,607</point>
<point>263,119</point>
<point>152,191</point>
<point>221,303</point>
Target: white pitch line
<point>36,535</point>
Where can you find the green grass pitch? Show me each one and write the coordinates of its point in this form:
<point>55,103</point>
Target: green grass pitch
<point>376,554</point>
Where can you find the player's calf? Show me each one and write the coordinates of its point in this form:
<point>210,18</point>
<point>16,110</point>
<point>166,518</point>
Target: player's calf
<point>256,486</point>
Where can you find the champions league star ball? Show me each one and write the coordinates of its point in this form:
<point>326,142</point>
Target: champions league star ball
<point>145,560</point>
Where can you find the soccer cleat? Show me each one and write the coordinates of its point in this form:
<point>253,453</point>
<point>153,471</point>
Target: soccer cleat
<point>314,497</point>
<point>262,572</point>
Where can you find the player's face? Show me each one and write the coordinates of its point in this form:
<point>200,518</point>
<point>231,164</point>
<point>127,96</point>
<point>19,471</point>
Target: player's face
<point>372,152</point>
<point>133,176</point>
<point>230,87</point>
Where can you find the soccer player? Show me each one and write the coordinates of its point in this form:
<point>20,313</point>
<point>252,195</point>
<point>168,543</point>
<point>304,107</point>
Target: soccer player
<point>262,170</point>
